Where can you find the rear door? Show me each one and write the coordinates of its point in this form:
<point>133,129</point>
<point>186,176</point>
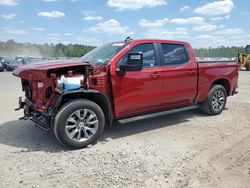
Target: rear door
<point>140,91</point>
<point>179,75</point>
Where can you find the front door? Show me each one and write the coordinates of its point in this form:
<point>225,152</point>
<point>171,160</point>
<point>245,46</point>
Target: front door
<point>140,91</point>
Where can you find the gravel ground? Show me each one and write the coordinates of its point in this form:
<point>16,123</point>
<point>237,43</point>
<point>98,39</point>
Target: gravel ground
<point>185,149</point>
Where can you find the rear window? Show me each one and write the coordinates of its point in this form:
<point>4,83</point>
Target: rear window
<point>174,54</point>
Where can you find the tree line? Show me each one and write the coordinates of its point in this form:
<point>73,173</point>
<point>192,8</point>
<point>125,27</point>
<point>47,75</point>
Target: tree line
<point>13,48</point>
<point>222,51</point>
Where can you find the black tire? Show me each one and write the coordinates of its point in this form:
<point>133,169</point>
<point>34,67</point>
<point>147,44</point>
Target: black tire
<point>208,106</point>
<point>248,66</point>
<point>66,113</point>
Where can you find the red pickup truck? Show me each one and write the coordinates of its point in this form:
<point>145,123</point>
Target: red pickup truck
<point>77,98</point>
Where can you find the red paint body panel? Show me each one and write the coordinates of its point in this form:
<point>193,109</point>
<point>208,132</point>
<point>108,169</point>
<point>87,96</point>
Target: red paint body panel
<point>136,93</point>
<point>210,72</point>
<point>139,92</point>
<point>38,70</point>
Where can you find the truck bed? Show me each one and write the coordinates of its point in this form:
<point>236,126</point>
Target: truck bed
<point>210,71</point>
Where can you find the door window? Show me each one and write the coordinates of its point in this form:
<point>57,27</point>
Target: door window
<point>174,54</point>
<point>148,51</point>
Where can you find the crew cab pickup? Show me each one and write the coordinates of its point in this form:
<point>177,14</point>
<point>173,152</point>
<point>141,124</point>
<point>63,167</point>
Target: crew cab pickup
<point>77,98</point>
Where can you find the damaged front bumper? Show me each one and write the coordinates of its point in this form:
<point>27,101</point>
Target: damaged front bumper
<point>41,119</point>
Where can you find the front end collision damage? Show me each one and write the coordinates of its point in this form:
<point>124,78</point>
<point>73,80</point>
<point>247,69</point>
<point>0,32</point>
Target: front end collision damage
<point>42,112</point>
<point>46,119</point>
<point>41,119</point>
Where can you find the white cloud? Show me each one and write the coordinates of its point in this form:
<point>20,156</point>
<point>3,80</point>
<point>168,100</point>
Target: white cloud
<point>230,31</point>
<point>53,38</point>
<point>87,40</point>
<point>38,29</point>
<point>110,27</point>
<point>9,16</point>
<point>205,37</point>
<point>207,41</point>
<point>156,23</point>
<point>8,2</point>
<point>220,18</point>
<point>206,27</point>
<point>68,34</point>
<point>181,29</point>
<point>190,20</point>
<point>184,8</point>
<point>134,4</point>
<point>216,8</point>
<point>53,35</point>
<point>90,18</point>
<point>176,34</point>
<point>221,26</point>
<point>52,14</point>
<point>217,18</point>
<point>16,32</point>
<point>216,41</point>
<point>225,37</point>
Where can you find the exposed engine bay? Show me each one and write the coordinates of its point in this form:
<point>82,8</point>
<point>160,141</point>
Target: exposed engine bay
<point>41,95</point>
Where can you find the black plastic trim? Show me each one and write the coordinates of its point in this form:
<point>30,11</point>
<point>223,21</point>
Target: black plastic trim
<point>57,104</point>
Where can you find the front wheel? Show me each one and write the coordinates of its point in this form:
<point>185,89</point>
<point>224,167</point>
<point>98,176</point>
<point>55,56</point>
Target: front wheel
<point>216,100</point>
<point>79,123</point>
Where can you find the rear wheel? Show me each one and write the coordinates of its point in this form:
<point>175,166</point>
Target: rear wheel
<point>79,123</point>
<point>216,100</point>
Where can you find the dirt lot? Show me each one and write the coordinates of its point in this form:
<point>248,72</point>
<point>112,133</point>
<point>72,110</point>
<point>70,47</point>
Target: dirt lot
<point>186,149</point>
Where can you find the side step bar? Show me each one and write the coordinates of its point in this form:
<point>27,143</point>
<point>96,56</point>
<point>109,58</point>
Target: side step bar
<point>153,115</point>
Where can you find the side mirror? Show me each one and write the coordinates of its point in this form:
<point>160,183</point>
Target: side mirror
<point>134,63</point>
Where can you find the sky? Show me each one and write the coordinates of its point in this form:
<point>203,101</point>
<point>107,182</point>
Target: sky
<point>203,23</point>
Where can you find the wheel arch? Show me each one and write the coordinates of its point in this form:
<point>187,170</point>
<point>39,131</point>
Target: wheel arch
<point>224,82</point>
<point>92,95</point>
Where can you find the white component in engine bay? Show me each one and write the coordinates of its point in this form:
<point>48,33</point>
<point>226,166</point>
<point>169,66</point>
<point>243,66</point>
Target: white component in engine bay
<point>70,83</point>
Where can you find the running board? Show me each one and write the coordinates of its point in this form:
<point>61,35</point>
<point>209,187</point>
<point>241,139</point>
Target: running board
<point>153,115</point>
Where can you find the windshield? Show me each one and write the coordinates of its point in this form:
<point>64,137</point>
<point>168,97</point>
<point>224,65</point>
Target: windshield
<point>102,54</point>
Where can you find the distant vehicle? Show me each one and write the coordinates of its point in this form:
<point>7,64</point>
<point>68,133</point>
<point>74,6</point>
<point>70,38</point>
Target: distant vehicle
<point>11,65</point>
<point>1,67</point>
<point>1,64</point>
<point>27,59</point>
<point>4,63</point>
<point>77,98</point>
<point>214,59</point>
<point>222,59</point>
